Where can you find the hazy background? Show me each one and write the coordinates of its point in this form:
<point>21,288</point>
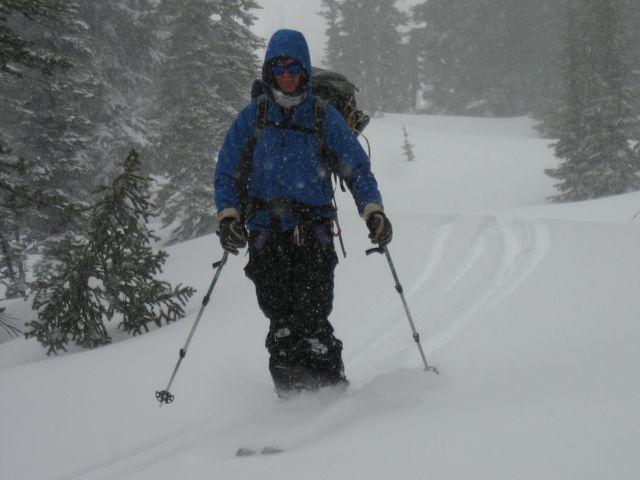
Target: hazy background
<point>300,15</point>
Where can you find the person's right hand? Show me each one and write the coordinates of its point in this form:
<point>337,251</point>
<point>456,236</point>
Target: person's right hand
<point>233,235</point>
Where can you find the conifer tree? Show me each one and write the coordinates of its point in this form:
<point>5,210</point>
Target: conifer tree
<point>71,301</point>
<point>443,32</point>
<point>53,121</point>
<point>407,146</point>
<point>7,324</point>
<point>596,122</point>
<point>330,10</point>
<point>13,240</point>
<point>24,206</point>
<point>411,62</point>
<point>124,58</point>
<point>69,114</point>
<point>54,132</point>
<point>109,272</point>
<point>488,57</point>
<point>631,20</point>
<point>368,51</point>
<point>18,52</point>
<point>71,77</point>
<point>206,80</point>
<point>122,242</point>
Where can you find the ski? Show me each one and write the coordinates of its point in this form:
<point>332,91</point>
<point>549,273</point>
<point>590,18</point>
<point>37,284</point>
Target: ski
<point>251,452</point>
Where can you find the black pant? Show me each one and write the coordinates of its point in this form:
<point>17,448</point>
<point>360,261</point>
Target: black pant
<point>294,285</point>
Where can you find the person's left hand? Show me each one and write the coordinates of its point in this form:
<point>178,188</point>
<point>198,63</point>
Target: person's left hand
<point>380,230</point>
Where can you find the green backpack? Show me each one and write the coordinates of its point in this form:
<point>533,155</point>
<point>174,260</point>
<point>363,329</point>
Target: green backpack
<point>339,92</point>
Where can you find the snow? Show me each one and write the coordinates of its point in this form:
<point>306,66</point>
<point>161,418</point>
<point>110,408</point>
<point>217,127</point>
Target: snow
<point>528,309</point>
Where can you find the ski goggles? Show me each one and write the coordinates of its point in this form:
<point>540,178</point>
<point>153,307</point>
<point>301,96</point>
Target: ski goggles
<point>293,69</point>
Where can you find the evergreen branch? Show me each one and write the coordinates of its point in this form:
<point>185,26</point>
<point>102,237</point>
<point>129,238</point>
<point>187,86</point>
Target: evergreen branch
<point>7,325</point>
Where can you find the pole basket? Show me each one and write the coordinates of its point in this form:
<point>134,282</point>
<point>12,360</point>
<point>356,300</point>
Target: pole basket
<point>163,396</point>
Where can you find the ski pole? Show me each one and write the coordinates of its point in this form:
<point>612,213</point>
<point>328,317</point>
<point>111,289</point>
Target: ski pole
<point>164,396</point>
<point>416,335</point>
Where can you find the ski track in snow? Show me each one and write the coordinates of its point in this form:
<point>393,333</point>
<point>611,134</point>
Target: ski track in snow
<point>138,460</point>
<point>484,262</point>
<point>472,264</point>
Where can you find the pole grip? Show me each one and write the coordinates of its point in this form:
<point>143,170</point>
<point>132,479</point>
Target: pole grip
<point>374,250</point>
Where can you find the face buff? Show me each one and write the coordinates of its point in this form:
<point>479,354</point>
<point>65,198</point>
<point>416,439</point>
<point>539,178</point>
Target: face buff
<point>288,101</point>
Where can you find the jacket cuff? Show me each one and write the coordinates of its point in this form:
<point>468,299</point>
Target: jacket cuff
<point>371,208</point>
<point>228,213</point>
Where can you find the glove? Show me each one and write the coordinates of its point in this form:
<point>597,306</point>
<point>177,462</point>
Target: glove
<point>380,230</point>
<point>233,235</point>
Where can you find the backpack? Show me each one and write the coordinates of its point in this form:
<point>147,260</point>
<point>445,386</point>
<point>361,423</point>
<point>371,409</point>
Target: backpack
<point>339,92</point>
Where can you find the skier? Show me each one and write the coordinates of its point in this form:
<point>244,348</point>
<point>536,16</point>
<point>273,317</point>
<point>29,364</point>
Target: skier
<point>275,181</point>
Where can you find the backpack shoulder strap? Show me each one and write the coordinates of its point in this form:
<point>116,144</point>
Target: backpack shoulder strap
<point>243,172</point>
<point>329,156</point>
<point>261,115</point>
<point>320,121</point>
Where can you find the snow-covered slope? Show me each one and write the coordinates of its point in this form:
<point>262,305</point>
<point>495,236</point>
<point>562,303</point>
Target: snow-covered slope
<point>528,309</point>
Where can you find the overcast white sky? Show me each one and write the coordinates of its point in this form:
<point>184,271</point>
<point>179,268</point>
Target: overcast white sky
<point>300,15</point>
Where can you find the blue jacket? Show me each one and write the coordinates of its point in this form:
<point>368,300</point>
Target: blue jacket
<point>287,163</point>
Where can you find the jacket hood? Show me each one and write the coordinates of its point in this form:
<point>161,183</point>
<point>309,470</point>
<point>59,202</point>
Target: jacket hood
<point>287,43</point>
